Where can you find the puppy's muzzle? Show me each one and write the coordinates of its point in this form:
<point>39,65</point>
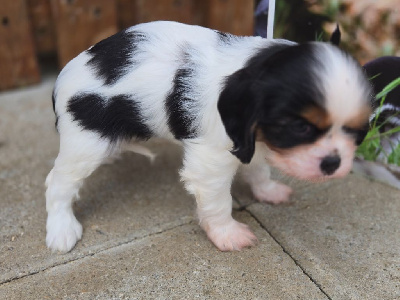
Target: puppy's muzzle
<point>330,164</point>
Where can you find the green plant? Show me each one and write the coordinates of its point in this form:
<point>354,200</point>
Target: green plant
<point>371,146</point>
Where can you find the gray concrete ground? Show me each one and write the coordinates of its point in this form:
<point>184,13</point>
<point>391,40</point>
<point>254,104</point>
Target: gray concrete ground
<point>337,240</point>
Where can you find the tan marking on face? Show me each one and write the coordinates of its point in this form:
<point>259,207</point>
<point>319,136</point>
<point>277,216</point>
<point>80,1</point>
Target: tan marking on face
<point>360,119</point>
<point>317,116</point>
<point>260,135</point>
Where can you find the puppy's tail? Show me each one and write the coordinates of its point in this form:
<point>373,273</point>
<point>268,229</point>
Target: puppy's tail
<point>139,149</point>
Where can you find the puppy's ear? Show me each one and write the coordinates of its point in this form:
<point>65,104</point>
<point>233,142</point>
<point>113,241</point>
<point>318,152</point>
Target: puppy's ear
<point>237,107</point>
<point>335,37</point>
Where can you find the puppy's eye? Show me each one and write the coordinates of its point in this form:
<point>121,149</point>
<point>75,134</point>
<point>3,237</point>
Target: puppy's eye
<point>301,128</point>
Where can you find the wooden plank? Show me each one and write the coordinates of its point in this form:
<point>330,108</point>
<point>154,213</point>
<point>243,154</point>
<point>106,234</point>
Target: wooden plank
<point>131,12</point>
<point>17,56</point>
<point>42,26</point>
<point>233,16</point>
<point>82,23</point>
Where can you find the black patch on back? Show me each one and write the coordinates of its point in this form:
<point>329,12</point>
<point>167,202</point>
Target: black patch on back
<point>180,119</point>
<point>116,118</point>
<point>112,57</point>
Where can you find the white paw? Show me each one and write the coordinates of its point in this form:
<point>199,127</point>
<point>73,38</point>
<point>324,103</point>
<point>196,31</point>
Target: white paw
<point>63,231</point>
<point>272,192</point>
<point>231,236</point>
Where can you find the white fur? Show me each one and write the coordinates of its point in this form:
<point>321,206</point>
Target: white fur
<point>257,175</point>
<point>208,167</point>
<point>344,85</point>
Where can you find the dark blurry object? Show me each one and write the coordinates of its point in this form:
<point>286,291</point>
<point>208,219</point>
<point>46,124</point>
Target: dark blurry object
<point>18,64</point>
<point>383,71</point>
<point>335,37</point>
<point>295,21</point>
<point>261,18</point>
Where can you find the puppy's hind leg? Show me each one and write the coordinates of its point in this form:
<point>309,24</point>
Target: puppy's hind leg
<point>81,152</point>
<point>208,174</point>
<point>257,174</point>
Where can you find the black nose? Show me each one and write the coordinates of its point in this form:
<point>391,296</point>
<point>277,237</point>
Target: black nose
<point>330,164</point>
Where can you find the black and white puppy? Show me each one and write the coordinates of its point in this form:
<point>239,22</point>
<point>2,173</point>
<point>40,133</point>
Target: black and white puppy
<point>229,100</point>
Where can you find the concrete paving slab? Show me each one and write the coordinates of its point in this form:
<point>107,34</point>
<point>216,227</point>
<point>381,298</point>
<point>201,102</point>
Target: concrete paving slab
<point>346,237</point>
<point>120,202</point>
<point>176,264</point>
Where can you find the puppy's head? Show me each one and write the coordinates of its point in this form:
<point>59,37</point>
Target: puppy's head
<point>308,103</point>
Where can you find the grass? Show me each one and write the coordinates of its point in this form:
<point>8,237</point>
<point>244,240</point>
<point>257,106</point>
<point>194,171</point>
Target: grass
<point>371,146</point>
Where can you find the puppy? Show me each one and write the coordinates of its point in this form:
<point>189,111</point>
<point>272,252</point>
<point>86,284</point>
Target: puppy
<point>229,100</point>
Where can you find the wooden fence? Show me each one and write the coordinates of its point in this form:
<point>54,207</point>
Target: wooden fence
<point>35,28</point>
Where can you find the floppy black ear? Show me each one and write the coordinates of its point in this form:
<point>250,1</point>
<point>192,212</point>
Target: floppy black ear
<point>237,107</point>
<point>335,37</point>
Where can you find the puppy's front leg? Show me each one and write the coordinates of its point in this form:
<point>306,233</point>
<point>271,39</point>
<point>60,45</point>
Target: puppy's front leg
<point>208,174</point>
<point>257,175</point>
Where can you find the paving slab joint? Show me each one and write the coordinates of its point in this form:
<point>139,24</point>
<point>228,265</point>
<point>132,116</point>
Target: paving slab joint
<point>290,255</point>
<point>187,221</point>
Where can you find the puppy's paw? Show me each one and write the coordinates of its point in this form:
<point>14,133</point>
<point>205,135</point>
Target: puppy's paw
<point>231,236</point>
<point>63,231</point>
<point>272,192</point>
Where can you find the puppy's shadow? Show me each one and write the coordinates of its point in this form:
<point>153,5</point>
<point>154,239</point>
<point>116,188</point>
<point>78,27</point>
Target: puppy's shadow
<point>130,183</point>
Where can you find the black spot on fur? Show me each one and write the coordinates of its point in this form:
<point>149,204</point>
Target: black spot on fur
<point>53,99</point>
<point>116,118</point>
<point>225,38</point>
<point>178,102</point>
<point>112,57</point>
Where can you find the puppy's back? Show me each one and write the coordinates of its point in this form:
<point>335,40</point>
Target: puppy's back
<point>166,76</point>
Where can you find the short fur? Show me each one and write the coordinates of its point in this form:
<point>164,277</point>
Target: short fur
<point>229,100</point>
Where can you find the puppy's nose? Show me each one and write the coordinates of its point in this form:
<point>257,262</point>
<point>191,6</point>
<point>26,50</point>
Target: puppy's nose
<point>329,164</point>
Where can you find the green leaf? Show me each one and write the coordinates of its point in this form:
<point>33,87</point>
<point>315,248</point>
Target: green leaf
<point>387,89</point>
